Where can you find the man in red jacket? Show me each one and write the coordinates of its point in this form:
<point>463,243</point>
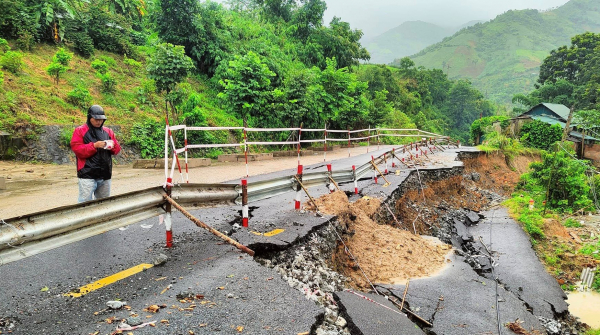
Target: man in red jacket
<point>94,146</point>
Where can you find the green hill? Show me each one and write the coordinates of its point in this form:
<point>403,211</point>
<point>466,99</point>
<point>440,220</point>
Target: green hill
<point>408,38</point>
<point>502,57</point>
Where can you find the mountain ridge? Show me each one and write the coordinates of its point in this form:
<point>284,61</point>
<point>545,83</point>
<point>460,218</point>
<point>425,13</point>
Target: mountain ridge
<point>407,39</point>
<point>502,56</point>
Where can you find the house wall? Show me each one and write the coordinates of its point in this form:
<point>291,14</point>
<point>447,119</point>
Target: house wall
<point>592,152</point>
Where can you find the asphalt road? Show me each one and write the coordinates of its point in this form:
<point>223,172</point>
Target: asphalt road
<point>230,292</point>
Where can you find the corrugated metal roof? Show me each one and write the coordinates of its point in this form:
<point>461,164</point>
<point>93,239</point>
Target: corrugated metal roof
<point>550,120</point>
<point>553,121</point>
<point>561,110</point>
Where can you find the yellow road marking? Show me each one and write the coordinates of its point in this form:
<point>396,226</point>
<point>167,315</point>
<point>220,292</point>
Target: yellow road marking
<point>271,233</point>
<point>108,280</point>
<point>274,232</point>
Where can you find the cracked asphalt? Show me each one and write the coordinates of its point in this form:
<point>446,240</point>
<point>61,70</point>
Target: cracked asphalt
<point>241,296</point>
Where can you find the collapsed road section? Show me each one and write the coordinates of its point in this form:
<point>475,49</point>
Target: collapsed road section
<point>355,267</point>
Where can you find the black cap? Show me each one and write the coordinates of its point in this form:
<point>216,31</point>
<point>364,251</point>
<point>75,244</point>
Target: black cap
<point>96,112</point>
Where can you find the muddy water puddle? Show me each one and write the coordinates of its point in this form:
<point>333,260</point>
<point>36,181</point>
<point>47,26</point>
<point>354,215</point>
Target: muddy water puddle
<point>585,306</point>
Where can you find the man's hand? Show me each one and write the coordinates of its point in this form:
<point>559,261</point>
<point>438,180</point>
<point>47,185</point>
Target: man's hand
<point>99,144</point>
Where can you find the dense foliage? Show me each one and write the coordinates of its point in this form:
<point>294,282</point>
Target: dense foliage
<point>483,126</point>
<point>564,177</point>
<point>271,63</point>
<point>540,135</point>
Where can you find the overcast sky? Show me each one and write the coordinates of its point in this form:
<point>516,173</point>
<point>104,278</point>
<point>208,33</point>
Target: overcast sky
<point>377,16</point>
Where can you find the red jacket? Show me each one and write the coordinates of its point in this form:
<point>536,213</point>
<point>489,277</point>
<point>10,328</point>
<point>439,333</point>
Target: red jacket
<point>93,163</point>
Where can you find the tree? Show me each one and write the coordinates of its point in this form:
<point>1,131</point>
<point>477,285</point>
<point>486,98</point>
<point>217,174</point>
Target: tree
<point>196,26</point>
<point>337,41</point>
<point>55,69</point>
<point>49,15</point>
<point>247,89</point>
<point>168,67</point>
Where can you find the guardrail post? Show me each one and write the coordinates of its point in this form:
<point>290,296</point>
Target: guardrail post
<point>245,203</point>
<point>385,160</point>
<point>298,188</point>
<point>168,209</point>
<point>330,185</point>
<point>374,172</point>
<point>393,157</point>
<point>355,179</point>
<point>458,143</point>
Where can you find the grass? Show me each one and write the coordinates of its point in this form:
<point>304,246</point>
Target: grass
<point>31,97</point>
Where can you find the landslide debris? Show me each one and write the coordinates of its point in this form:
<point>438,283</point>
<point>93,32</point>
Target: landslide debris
<point>387,255</point>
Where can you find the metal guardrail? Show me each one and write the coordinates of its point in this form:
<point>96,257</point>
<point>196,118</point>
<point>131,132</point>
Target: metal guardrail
<point>31,234</point>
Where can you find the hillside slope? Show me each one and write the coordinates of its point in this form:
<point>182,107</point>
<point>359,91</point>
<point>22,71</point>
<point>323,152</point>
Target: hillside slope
<point>502,57</point>
<point>406,39</point>
<point>32,98</point>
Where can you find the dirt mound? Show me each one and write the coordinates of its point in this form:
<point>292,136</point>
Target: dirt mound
<point>333,204</point>
<point>497,172</point>
<point>386,254</point>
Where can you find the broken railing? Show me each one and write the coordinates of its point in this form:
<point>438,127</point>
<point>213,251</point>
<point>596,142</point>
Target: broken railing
<point>31,234</point>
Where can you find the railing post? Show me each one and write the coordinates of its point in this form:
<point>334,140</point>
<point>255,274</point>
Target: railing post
<point>245,203</point>
<point>385,160</point>
<point>331,186</point>
<point>168,209</point>
<point>298,189</point>
<point>355,179</point>
<point>393,157</point>
<point>374,172</point>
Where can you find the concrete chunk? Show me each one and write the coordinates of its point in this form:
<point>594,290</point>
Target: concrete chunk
<point>472,218</point>
<point>366,317</point>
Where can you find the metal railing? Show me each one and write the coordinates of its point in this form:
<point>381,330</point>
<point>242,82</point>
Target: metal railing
<point>31,234</point>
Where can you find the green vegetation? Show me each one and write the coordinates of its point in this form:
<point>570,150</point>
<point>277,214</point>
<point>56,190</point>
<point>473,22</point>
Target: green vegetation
<point>502,57</point>
<point>269,63</point>
<point>540,135</point>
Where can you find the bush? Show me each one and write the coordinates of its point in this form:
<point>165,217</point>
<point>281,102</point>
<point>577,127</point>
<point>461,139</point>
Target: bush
<point>83,44</point>
<point>100,66</point>
<point>80,97</point>
<point>111,62</point>
<point>540,135</point>
<point>566,178</point>
<point>149,137</point>
<point>1,78</point>
<point>4,47</point>
<point>25,41</point>
<point>62,56</point>
<point>108,82</point>
<point>571,223</point>
<point>66,134</point>
<point>55,69</point>
<point>483,126</point>
<point>132,65</point>
<point>12,61</point>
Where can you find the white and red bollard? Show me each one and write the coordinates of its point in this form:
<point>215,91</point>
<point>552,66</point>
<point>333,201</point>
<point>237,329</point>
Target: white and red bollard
<point>298,189</point>
<point>374,172</point>
<point>393,157</point>
<point>531,202</point>
<point>458,143</point>
<point>355,179</point>
<point>385,159</point>
<point>330,185</point>
<point>245,203</point>
<point>168,222</point>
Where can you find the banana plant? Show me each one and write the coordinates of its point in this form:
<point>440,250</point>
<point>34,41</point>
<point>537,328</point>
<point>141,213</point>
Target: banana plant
<point>49,14</point>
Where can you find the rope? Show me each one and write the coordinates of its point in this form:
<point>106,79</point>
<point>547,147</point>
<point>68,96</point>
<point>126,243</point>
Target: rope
<point>373,301</point>
<point>353,258</point>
